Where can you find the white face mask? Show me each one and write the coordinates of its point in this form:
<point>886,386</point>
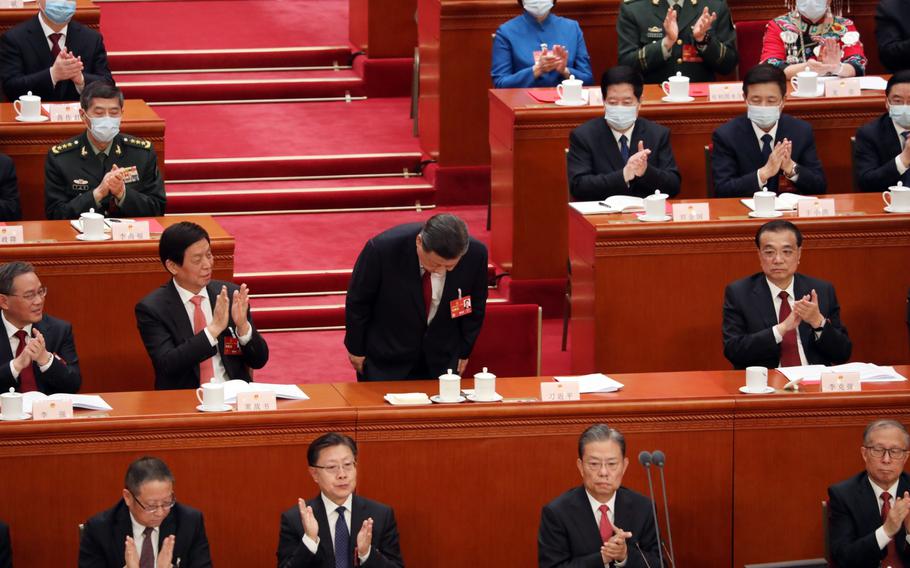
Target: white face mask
<point>619,117</point>
<point>104,128</point>
<point>900,114</point>
<point>538,8</point>
<point>764,116</point>
<point>812,10</point>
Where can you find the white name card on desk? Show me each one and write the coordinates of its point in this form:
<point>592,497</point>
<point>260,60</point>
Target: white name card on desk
<point>558,392</point>
<point>595,97</point>
<point>256,401</point>
<point>841,382</point>
<point>130,231</point>
<point>816,207</point>
<point>11,235</point>
<point>5,4</point>
<point>51,409</point>
<point>62,112</point>
<point>847,87</point>
<point>691,212</point>
<point>725,92</point>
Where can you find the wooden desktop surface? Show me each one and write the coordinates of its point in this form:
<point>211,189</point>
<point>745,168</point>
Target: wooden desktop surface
<point>649,296</point>
<point>763,462</point>
<point>96,285</point>
<point>28,143</point>
<point>87,13</point>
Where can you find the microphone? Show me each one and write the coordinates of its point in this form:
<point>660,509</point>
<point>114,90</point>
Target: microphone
<point>645,458</point>
<point>643,557</point>
<point>659,459</point>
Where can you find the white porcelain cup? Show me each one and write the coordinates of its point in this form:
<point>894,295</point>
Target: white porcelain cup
<point>677,86</point>
<point>484,385</point>
<point>656,205</point>
<point>211,395</point>
<point>449,386</point>
<point>92,224</point>
<point>11,404</point>
<point>897,198</point>
<point>764,202</point>
<point>28,106</point>
<point>805,83</point>
<point>756,378</point>
<point>570,90</point>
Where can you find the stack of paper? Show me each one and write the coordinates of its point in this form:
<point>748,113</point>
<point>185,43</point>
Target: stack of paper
<point>783,202</point>
<point>612,204</point>
<point>407,398</point>
<point>231,388</point>
<point>596,382</point>
<point>87,401</point>
<point>868,372</point>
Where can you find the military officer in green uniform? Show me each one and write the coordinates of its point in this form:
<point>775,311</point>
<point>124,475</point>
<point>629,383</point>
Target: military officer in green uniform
<point>102,169</point>
<point>662,37</point>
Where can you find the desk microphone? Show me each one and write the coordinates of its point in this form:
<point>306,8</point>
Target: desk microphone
<point>643,557</point>
<point>659,459</point>
<point>645,459</point>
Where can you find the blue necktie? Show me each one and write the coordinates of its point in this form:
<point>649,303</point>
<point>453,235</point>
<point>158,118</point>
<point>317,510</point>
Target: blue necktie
<point>771,183</point>
<point>342,541</point>
<point>624,148</point>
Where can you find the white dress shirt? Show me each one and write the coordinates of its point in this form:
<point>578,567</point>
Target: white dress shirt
<point>611,513</point>
<point>628,134</point>
<point>14,344</point>
<point>437,284</point>
<point>901,168</point>
<point>206,305</point>
<point>331,510</point>
<point>759,133</point>
<point>880,536</point>
<point>139,537</point>
<point>775,297</point>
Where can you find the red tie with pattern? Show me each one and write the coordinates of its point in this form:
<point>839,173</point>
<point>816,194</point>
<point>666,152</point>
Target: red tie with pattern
<point>606,529</point>
<point>206,368</point>
<point>147,556</point>
<point>891,559</point>
<point>27,375</point>
<point>55,44</point>
<point>789,352</point>
<point>427,290</point>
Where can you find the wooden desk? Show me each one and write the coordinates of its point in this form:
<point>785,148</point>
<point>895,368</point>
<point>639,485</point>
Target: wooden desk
<point>529,188</point>
<point>27,143</point>
<point>87,13</point>
<point>383,29</point>
<point>477,463</point>
<point>96,285</point>
<point>649,296</point>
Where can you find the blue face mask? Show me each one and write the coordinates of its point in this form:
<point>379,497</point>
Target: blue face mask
<point>620,117</point>
<point>104,128</point>
<point>764,116</point>
<point>59,11</point>
<point>900,114</point>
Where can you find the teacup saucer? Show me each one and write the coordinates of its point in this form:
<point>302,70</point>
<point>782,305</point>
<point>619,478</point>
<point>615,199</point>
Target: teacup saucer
<point>819,92</point>
<point>764,390</point>
<point>496,398</point>
<point>772,215</point>
<point>435,398</point>
<point>223,408</point>
<point>84,237</point>
<point>23,416</point>
<point>669,99</point>
<point>658,219</point>
<point>890,209</point>
<point>565,103</point>
<point>40,118</point>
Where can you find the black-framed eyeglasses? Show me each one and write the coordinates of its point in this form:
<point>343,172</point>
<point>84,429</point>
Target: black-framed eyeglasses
<point>154,508</point>
<point>30,296</point>
<point>893,453</point>
<point>335,469</point>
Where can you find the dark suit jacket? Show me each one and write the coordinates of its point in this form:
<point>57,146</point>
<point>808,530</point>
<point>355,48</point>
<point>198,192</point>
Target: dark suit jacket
<point>176,351</point>
<point>737,156</point>
<point>570,538</point>
<point>105,533</point>
<point>6,549</point>
<point>10,210</point>
<point>384,552</point>
<point>876,146</point>
<point>853,517</point>
<point>63,375</point>
<point>25,61</point>
<point>595,164</point>
<point>892,34</point>
<point>749,316</point>
<point>385,316</point>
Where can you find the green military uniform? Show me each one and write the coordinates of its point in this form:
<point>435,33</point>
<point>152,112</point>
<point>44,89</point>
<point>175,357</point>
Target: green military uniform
<point>641,30</point>
<point>73,169</point>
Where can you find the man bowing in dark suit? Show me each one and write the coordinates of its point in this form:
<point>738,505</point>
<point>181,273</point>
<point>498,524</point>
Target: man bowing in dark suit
<point>194,328</point>
<point>869,514</point>
<point>416,301</point>
<point>881,155</point>
<point>39,353</point>
<point>147,528</point>
<point>778,317</point>
<point>621,154</point>
<point>330,530</point>
<point>755,150</point>
<point>600,523</point>
<point>51,56</point>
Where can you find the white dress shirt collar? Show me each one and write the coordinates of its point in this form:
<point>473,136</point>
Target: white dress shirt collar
<point>628,135</point>
<point>595,507</point>
<point>775,291</point>
<point>878,492</point>
<point>186,295</point>
<point>138,536</point>
<point>11,329</point>
<point>759,133</point>
<point>49,30</point>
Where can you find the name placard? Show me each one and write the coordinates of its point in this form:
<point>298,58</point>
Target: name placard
<point>559,392</point>
<point>595,97</point>
<point>725,92</point>
<point>52,409</point>
<point>848,87</point>
<point>816,207</point>
<point>11,235</point>
<point>130,231</point>
<point>691,212</point>
<point>256,401</point>
<point>841,382</point>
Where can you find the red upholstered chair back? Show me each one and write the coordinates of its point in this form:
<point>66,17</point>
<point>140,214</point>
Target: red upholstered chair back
<point>749,36</point>
<point>509,342</point>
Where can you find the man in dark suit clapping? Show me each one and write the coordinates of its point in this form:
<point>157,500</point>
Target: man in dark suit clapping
<point>881,154</point>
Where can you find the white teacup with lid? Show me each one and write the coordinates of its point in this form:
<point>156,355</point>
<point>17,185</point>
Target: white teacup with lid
<point>449,387</point>
<point>92,225</point>
<point>656,205</point>
<point>11,405</point>
<point>765,202</point>
<point>570,90</point>
<point>677,86</point>
<point>897,198</point>
<point>485,386</point>
<point>28,107</point>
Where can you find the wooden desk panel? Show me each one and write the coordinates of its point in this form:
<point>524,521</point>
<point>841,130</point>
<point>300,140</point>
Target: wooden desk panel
<point>87,13</point>
<point>382,28</point>
<point>28,143</point>
<point>650,296</point>
<point>96,285</point>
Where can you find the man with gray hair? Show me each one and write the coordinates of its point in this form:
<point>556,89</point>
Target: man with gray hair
<point>869,514</point>
<point>600,523</point>
<point>39,353</point>
<point>147,528</point>
<point>416,301</point>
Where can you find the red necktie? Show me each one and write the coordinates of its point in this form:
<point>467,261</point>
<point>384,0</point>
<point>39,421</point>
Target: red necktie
<point>606,529</point>
<point>55,44</point>
<point>789,352</point>
<point>891,558</point>
<point>427,290</point>
<point>27,375</point>
<point>206,368</point>
<point>147,556</point>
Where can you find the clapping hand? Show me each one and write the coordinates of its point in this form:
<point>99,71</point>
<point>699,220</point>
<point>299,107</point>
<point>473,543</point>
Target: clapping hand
<point>671,29</point>
<point>240,308</point>
<point>703,24</point>
<point>637,164</point>
<point>614,549</point>
<point>365,537</point>
<point>308,519</point>
<point>807,310</point>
